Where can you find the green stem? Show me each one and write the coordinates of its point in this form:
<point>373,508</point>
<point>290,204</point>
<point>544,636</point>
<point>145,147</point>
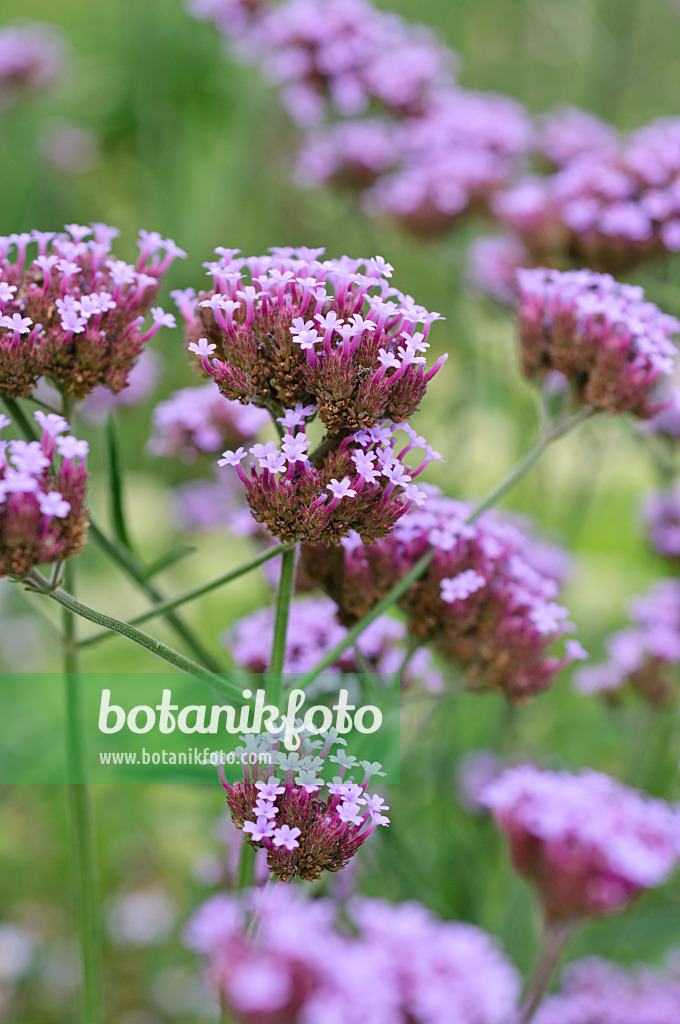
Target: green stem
<point>82,845</point>
<point>131,565</point>
<point>399,589</point>
<point>157,647</point>
<point>283,602</point>
<point>245,874</point>
<point>190,595</point>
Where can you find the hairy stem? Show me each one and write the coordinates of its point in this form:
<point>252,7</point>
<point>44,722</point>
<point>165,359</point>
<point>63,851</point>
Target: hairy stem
<point>190,595</point>
<point>120,555</point>
<point>135,569</point>
<point>283,602</point>
<point>156,647</point>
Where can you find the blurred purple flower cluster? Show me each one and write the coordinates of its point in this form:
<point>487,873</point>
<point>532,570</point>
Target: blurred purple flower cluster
<point>643,656</point>
<point>300,963</point>
<point>587,842</point>
<point>313,631</point>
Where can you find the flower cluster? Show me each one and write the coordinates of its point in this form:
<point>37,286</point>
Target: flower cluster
<point>194,421</point>
<point>313,630</point>
<point>292,328</point>
<point>31,58</point>
<point>483,601</point>
<point>610,207</point>
<point>305,831</point>
<point>382,111</point>
<point>74,313</point>
<point>613,347</point>
<point>588,843</point>
<point>362,485</point>
<point>644,655</point>
<point>594,991</point>
<point>568,133</point>
<point>341,57</point>
<point>43,517</point>
<point>426,171</point>
<point>400,964</point>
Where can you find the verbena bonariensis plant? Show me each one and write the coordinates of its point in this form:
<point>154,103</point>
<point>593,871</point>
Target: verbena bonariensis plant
<point>594,991</point>
<point>74,313</point>
<point>327,346</point>
<point>613,347</point>
<point>313,630</point>
<point>302,963</point>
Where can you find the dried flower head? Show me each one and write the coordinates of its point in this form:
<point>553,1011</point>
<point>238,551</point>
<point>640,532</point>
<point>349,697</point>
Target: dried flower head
<point>43,517</point>
<point>74,313</point>
<point>612,346</point>
<point>588,843</point>
<point>307,824</point>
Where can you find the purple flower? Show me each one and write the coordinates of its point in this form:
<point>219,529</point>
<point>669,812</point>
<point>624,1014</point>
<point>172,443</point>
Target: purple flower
<point>196,421</point>
<point>286,836</point>
<point>485,601</point>
<point>611,345</point>
<point>587,842</point>
<point>85,311</point>
<point>43,514</point>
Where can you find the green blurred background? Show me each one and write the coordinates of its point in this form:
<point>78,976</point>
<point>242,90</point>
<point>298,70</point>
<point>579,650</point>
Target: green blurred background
<point>194,145</point>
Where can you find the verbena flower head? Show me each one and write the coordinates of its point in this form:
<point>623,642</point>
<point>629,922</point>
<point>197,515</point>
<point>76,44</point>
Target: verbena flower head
<point>195,421</point>
<point>613,346</point>
<point>587,843</point>
<point>292,328</point>
<point>643,656</point>
<point>610,208</point>
<point>594,991</point>
<point>362,485</point>
<point>297,963</point>
<point>43,517</point>
<point>32,58</point>
<point>481,601</point>
<point>71,312</point>
<point>303,807</point>
<point>313,630</point>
